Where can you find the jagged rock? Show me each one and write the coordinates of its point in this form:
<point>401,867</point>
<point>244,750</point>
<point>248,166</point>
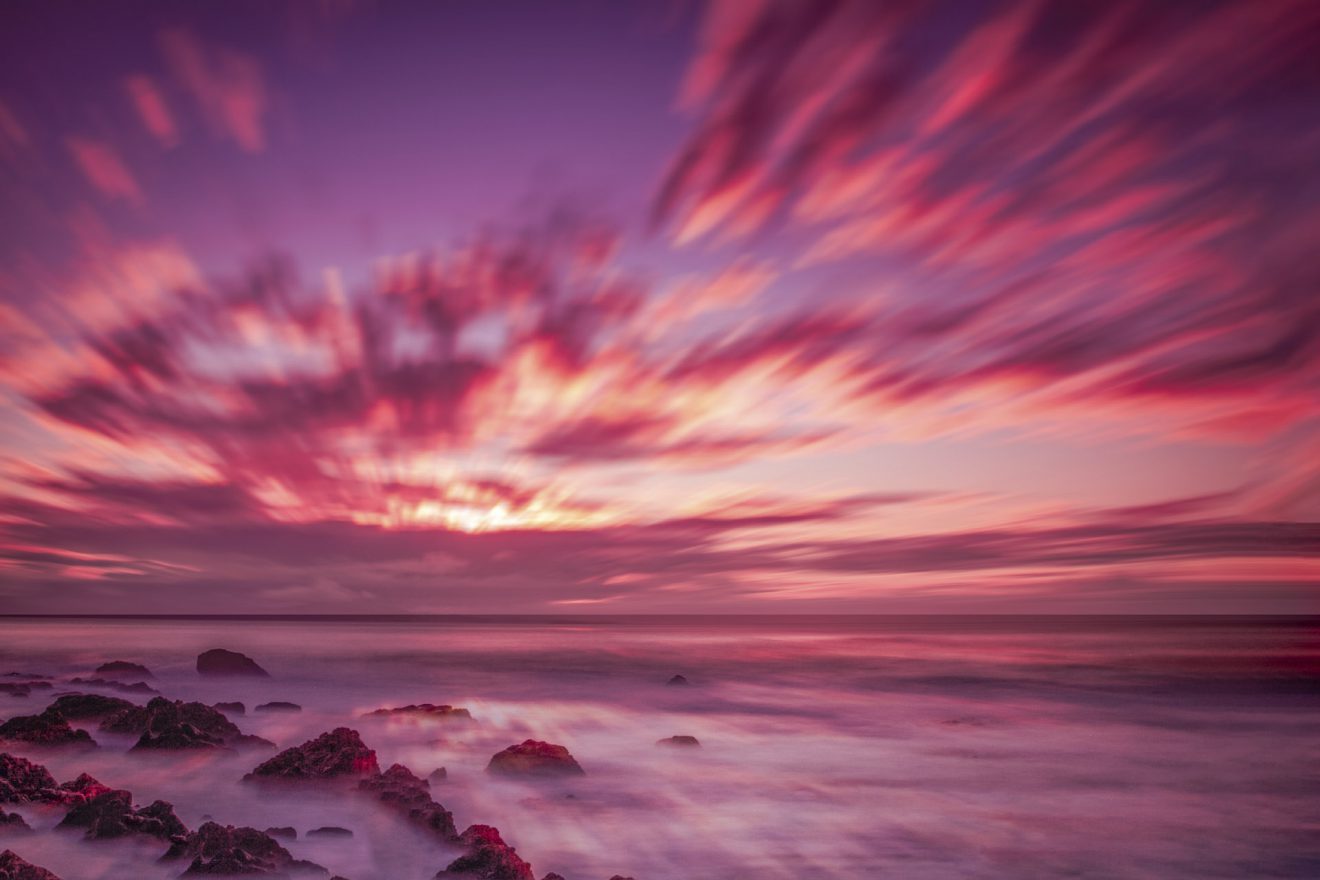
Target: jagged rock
<point>284,831</point>
<point>89,705</point>
<point>123,667</point>
<point>682,741</point>
<point>218,661</point>
<point>137,687</point>
<point>535,758</point>
<point>677,680</point>
<point>278,706</point>
<point>329,831</point>
<point>231,708</point>
<point>112,815</point>
<point>338,753</point>
<point>225,849</point>
<point>47,729</point>
<point>174,724</point>
<point>22,781</point>
<point>14,868</point>
<point>488,858</point>
<point>424,710</point>
<point>401,791</point>
<point>12,822</point>
<point>84,788</point>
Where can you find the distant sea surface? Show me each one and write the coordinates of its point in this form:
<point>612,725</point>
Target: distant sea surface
<point>831,747</point>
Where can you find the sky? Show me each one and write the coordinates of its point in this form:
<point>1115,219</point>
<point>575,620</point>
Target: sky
<point>749,306</point>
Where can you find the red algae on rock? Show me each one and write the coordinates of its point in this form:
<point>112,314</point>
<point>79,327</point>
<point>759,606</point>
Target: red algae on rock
<point>535,758</point>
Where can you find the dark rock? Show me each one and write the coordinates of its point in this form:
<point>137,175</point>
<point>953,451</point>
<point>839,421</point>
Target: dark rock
<point>27,676</point>
<point>218,661</point>
<point>89,705</point>
<point>439,774</point>
<point>553,876</point>
<point>137,687</point>
<point>123,667</point>
<point>231,708</point>
<point>84,788</point>
<point>687,741</point>
<point>283,831</point>
<point>677,680</point>
<point>224,849</point>
<point>400,790</point>
<point>174,724</point>
<point>14,868</point>
<point>112,815</point>
<point>278,706</point>
<point>425,710</point>
<point>22,781</point>
<point>488,857</point>
<point>12,822</point>
<point>620,877</point>
<point>329,831</point>
<point>47,729</point>
<point>535,758</point>
<point>15,689</point>
<point>338,753</point>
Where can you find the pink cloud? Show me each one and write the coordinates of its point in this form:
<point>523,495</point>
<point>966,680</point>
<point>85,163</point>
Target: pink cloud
<point>227,85</point>
<point>152,110</point>
<point>104,169</point>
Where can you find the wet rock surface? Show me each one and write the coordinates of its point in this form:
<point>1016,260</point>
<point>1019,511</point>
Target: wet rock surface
<point>534,758</point>
<point>50,728</point>
<point>424,710</point>
<point>219,661</point>
<point>12,867</point>
<point>112,814</point>
<point>124,668</point>
<point>226,849</point>
<point>488,857</point>
<point>338,753</point>
<point>400,790</point>
<point>89,705</point>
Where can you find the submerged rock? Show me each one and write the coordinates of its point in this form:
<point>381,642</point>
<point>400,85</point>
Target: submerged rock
<point>278,706</point>
<point>137,687</point>
<point>678,680</point>
<point>15,689</point>
<point>174,724</point>
<point>285,831</point>
<point>225,849</point>
<point>123,667</point>
<point>401,791</point>
<point>89,705</point>
<point>488,857</point>
<point>14,868</point>
<point>329,831</point>
<point>50,728</point>
<point>218,661</point>
<point>682,741</point>
<point>13,822</point>
<point>112,814</point>
<point>424,710</point>
<point>535,758</point>
<point>234,708</point>
<point>337,753</point>
<point>439,774</point>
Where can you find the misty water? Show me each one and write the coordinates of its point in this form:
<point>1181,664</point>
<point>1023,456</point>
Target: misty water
<point>830,747</point>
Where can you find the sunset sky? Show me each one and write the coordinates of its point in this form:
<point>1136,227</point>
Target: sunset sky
<point>615,307</point>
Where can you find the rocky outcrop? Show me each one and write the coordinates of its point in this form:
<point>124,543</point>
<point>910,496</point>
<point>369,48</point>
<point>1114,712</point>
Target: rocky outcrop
<point>424,710</point>
<point>679,741</point>
<point>50,728</point>
<point>112,814</point>
<point>174,724</point>
<point>488,857</point>
<point>286,832</point>
<point>677,680</point>
<point>22,688</point>
<point>338,753</point>
<point>535,759</point>
<point>225,849</point>
<point>234,708</point>
<point>14,868</point>
<point>125,669</point>
<point>89,705</point>
<point>400,790</point>
<point>218,661</point>
<point>25,782</point>
<point>439,774</point>
<point>137,687</point>
<point>12,822</point>
<point>329,831</point>
<point>278,706</point>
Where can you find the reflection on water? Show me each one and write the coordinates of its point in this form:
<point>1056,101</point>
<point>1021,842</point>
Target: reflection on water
<point>831,748</point>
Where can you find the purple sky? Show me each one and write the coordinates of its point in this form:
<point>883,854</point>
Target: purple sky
<point>749,306</point>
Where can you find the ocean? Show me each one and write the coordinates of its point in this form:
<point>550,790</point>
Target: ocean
<point>830,747</point>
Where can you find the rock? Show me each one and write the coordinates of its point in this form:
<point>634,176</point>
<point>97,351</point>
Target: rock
<point>278,706</point>
<point>123,667</point>
<point>686,741</point>
<point>174,724</point>
<point>400,790</point>
<point>488,858</point>
<point>15,689</point>
<point>14,868</point>
<point>338,753</point>
<point>112,815</point>
<point>620,877</point>
<point>231,708</point>
<point>535,758</point>
<point>218,661</point>
<point>84,788</point>
<point>13,822</point>
<point>678,680</point>
<point>47,729</point>
<point>137,687</point>
<point>425,710</point>
<point>89,705</point>
<point>225,849</point>
<point>329,831</point>
<point>553,876</point>
<point>284,831</point>
<point>439,774</point>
